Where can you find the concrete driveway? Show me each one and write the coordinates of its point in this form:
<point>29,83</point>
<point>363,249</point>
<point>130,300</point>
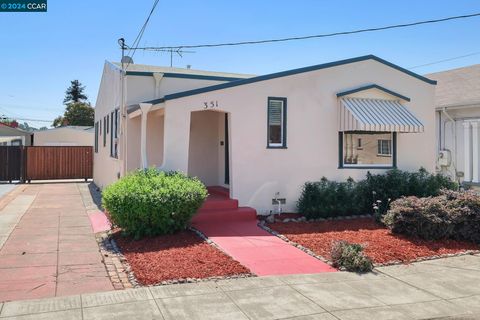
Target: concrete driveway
<point>47,245</point>
<point>446,289</point>
<point>6,188</point>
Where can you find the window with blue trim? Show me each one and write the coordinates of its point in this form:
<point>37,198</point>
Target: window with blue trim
<point>367,149</point>
<point>277,121</point>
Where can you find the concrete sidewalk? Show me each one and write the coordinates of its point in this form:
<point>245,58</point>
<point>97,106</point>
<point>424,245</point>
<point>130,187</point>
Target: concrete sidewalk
<point>446,288</point>
<point>49,248</point>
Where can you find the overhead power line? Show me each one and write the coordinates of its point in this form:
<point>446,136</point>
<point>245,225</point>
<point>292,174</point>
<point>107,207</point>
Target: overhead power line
<point>141,32</point>
<point>325,35</point>
<point>24,119</point>
<point>445,60</point>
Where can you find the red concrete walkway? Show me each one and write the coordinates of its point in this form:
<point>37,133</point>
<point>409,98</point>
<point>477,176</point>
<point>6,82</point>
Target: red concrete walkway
<point>235,230</point>
<point>52,251</point>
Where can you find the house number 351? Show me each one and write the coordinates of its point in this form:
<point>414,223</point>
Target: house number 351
<point>210,104</point>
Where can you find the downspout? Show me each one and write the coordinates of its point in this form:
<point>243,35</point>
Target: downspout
<point>454,132</point>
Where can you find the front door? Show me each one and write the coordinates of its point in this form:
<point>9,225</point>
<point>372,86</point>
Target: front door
<point>227,155</point>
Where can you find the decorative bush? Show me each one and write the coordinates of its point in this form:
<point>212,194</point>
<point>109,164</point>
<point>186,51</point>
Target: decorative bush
<point>380,189</point>
<point>371,195</point>
<point>453,215</point>
<point>327,198</point>
<point>350,256</point>
<point>150,202</point>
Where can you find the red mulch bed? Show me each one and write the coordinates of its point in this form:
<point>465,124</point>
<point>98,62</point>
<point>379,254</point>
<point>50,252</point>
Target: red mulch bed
<point>178,256</point>
<point>380,244</point>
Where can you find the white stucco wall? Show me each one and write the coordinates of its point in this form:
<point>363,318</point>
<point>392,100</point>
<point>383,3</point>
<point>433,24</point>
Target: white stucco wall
<point>63,137</point>
<point>257,173</point>
<point>138,88</point>
<point>106,169</point>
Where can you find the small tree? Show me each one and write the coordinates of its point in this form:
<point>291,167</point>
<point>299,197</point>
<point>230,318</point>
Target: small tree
<point>78,111</point>
<point>74,93</point>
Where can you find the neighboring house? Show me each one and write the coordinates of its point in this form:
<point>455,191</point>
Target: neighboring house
<point>457,105</point>
<point>65,136</point>
<point>14,136</point>
<point>264,136</point>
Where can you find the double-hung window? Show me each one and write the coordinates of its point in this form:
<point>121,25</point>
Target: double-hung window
<point>384,148</point>
<point>277,123</point>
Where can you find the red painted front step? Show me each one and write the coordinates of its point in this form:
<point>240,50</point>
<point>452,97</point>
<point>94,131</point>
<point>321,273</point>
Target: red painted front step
<point>238,214</point>
<point>219,207</point>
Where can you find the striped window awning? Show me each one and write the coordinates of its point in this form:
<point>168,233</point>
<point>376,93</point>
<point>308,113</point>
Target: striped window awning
<point>360,114</point>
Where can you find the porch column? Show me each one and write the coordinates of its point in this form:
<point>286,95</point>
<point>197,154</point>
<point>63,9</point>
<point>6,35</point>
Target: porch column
<point>145,108</point>
<point>467,172</point>
<point>475,152</point>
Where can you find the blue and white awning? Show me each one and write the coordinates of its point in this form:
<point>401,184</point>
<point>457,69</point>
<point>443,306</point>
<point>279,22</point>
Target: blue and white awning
<point>360,114</point>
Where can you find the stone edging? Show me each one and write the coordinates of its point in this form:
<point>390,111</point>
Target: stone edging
<point>118,268</point>
<point>304,219</point>
<point>262,225</point>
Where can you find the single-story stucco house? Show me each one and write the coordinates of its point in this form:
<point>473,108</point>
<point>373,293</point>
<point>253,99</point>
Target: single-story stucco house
<point>65,136</point>
<point>457,106</point>
<point>10,136</point>
<point>263,137</point>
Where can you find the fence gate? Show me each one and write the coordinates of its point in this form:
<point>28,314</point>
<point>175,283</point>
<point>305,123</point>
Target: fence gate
<point>11,163</point>
<point>62,162</point>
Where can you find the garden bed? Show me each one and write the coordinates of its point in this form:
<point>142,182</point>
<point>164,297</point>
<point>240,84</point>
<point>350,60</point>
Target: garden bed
<point>183,256</point>
<point>381,245</point>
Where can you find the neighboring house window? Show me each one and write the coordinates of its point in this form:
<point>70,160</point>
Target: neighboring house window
<point>367,149</point>
<point>104,131</point>
<point>277,123</point>
<point>96,137</point>
<point>107,123</point>
<point>16,142</point>
<point>384,148</point>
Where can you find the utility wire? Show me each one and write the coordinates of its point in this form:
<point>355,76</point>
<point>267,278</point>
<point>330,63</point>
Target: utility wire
<point>445,60</point>
<point>141,32</point>
<point>325,35</point>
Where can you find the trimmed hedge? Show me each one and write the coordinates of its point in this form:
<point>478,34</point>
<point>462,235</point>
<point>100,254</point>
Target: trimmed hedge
<point>452,215</point>
<point>350,256</point>
<point>150,202</point>
<point>369,196</point>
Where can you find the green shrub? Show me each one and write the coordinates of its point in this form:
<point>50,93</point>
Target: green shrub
<point>452,214</point>
<point>327,198</point>
<point>150,202</point>
<point>369,196</point>
<point>395,184</point>
<point>350,256</point>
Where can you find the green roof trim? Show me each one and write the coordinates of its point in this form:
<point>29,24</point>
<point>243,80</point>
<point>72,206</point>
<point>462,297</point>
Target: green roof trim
<point>183,76</point>
<point>289,73</point>
<point>373,86</point>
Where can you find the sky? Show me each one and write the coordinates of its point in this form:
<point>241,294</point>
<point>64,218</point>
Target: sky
<point>42,52</point>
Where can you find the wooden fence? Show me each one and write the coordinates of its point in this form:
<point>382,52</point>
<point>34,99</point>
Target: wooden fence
<point>11,163</point>
<point>46,163</point>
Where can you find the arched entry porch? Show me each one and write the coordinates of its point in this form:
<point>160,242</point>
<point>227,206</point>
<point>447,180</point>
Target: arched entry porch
<point>209,151</point>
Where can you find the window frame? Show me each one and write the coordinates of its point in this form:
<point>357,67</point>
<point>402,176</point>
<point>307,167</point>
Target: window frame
<point>341,165</point>
<point>111,133</point>
<point>380,148</point>
<point>96,137</point>
<point>115,140</point>
<point>104,131</point>
<point>283,126</point>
